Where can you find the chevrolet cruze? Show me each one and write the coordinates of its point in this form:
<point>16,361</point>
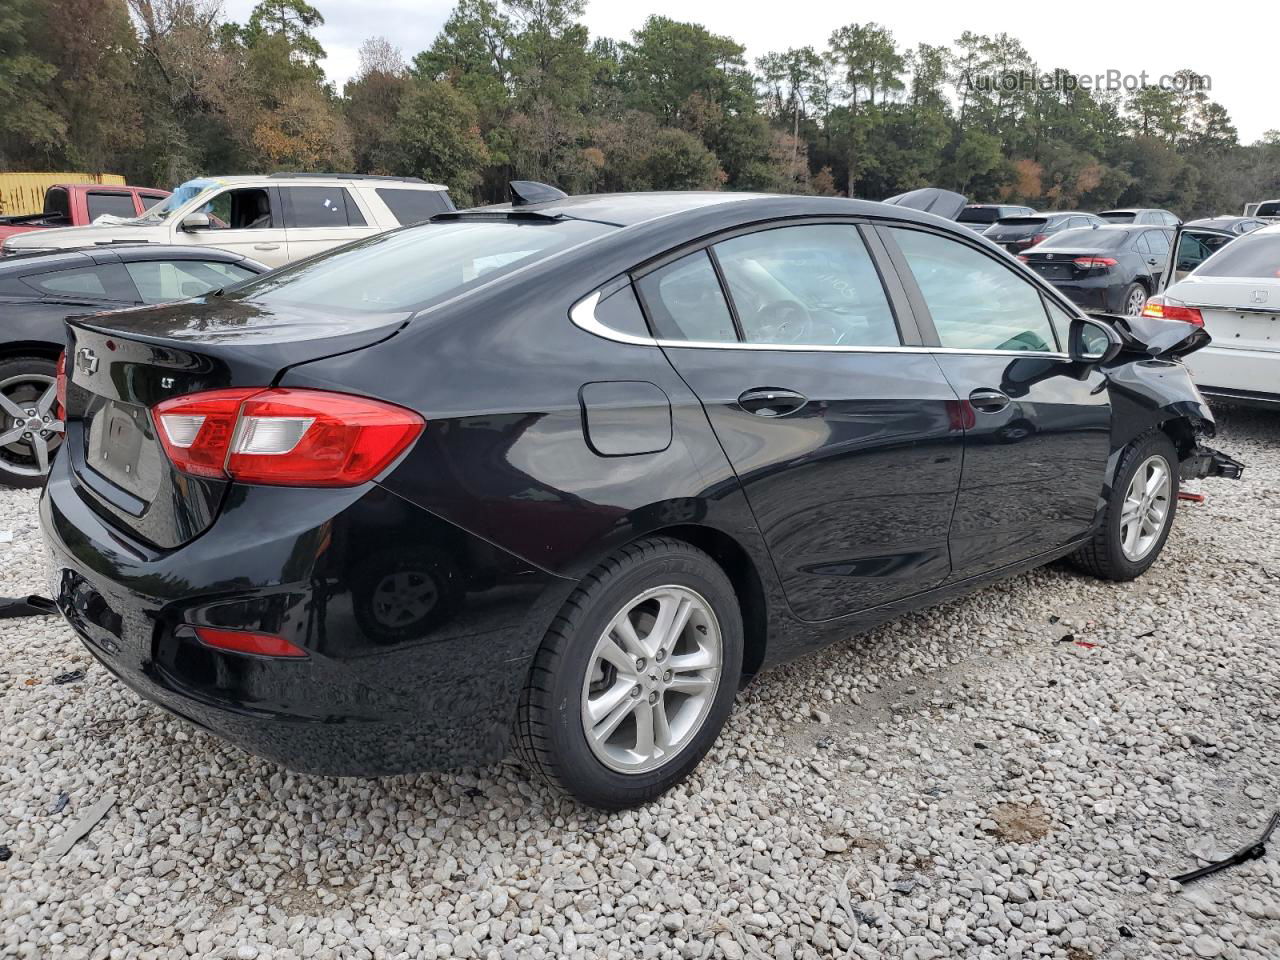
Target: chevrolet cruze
<point>568,472</point>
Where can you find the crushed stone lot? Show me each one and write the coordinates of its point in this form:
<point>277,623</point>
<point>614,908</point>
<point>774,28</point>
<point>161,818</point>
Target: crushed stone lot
<point>1015,774</point>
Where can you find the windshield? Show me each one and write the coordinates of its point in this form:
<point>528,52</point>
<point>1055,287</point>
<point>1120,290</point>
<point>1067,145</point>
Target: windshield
<point>411,269</point>
<point>1097,239</point>
<point>181,195</point>
<point>1250,256</point>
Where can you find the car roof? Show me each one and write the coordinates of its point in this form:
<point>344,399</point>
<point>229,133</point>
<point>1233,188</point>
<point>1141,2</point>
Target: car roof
<point>121,252</point>
<point>633,209</point>
<point>320,179</point>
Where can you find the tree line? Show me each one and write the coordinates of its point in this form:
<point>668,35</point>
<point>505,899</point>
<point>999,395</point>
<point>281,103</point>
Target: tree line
<point>163,90</point>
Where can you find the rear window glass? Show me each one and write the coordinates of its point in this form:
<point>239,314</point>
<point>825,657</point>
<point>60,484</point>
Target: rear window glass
<point>409,270</point>
<point>414,206</point>
<point>320,207</point>
<point>1269,209</point>
<point>1118,216</point>
<point>111,204</point>
<point>1099,239</point>
<point>1250,256</point>
<point>979,215</point>
<point>1016,222</point>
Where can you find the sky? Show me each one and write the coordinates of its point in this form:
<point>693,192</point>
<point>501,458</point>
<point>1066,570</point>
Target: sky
<point>1086,38</point>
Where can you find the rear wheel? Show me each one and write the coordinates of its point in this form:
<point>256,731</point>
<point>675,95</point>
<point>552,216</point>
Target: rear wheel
<point>1135,298</point>
<point>636,676</point>
<point>29,426</point>
<point>1140,511</point>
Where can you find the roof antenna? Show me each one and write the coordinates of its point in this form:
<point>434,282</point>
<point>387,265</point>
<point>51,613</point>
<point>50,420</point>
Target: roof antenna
<point>524,192</point>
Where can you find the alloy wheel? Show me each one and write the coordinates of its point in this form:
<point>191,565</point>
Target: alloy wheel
<point>29,426</point>
<point>1146,508</point>
<point>1137,300</point>
<point>651,679</point>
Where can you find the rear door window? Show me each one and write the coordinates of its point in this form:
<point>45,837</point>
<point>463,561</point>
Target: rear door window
<point>976,303</point>
<point>102,282</point>
<point>111,204</point>
<point>159,281</point>
<point>320,207</point>
<point>1158,240</point>
<point>685,301</point>
<point>807,285</point>
<point>414,206</point>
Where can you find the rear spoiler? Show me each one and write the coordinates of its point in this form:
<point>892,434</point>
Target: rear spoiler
<point>1156,338</point>
<point>942,203</point>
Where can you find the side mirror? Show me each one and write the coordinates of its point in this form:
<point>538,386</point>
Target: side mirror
<point>195,221</point>
<point>1093,341</point>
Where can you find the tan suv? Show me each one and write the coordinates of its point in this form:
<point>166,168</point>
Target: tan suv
<point>275,218</point>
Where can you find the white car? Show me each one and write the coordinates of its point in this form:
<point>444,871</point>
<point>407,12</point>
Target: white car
<point>274,219</point>
<point>1234,293</point>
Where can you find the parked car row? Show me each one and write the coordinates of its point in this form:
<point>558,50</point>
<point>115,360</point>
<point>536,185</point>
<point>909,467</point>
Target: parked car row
<point>571,470</point>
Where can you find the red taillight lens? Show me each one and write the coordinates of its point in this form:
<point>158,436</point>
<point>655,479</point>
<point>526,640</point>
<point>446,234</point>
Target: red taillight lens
<point>302,438</point>
<point>247,641</point>
<point>1162,308</point>
<point>1024,259</point>
<point>62,386</point>
<point>1039,238</point>
<point>1095,263</point>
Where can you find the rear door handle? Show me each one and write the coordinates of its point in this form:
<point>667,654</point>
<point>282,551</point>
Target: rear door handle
<point>771,402</point>
<point>988,401</point>
<point>266,246</point>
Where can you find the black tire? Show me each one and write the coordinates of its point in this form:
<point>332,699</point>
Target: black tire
<point>1131,292</point>
<point>18,463</point>
<point>1104,555</point>
<point>550,735</point>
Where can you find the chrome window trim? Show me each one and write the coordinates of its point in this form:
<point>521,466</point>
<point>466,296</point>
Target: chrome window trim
<point>583,316</point>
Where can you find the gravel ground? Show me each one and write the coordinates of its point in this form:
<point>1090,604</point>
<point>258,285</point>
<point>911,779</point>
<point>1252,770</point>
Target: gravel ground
<point>1011,775</point>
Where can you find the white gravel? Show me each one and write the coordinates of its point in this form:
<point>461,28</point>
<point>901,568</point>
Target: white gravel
<point>961,783</point>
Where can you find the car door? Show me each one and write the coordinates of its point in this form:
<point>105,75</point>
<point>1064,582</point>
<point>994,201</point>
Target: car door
<point>1190,247</point>
<point>1158,258</point>
<point>1037,423</point>
<point>244,220</point>
<point>841,428</point>
<point>319,218</point>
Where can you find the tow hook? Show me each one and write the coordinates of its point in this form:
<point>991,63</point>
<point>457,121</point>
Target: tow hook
<point>1207,462</point>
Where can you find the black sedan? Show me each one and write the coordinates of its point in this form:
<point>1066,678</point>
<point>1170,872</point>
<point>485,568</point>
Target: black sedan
<point>580,468</point>
<point>1107,270</point>
<point>40,291</point>
<point>1016,234</point>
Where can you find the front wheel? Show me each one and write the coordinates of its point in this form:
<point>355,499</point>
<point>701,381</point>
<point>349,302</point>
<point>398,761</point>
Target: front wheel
<point>635,677</point>
<point>1140,512</point>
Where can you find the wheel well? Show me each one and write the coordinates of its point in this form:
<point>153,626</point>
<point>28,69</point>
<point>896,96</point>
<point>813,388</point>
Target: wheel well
<point>1182,433</point>
<point>30,348</point>
<point>742,573</point>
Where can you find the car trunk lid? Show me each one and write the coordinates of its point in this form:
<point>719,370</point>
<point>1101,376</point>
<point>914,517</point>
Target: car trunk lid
<point>122,364</point>
<point>1061,264</point>
<point>1238,312</point>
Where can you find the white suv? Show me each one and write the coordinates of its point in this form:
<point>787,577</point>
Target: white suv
<point>275,218</point>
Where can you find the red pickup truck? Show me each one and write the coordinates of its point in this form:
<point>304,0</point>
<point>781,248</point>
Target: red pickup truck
<point>79,204</point>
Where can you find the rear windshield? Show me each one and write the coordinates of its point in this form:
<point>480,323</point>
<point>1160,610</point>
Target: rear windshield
<point>408,270</point>
<point>1250,256</point>
<point>1269,209</point>
<point>1094,239</point>
<point>1118,216</point>
<point>979,215</point>
<point>1022,221</point>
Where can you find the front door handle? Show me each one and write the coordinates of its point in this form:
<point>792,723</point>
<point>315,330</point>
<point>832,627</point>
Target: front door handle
<point>266,246</point>
<point>771,402</point>
<point>988,401</point>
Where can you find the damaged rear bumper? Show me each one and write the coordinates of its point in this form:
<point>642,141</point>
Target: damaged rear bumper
<point>1207,462</point>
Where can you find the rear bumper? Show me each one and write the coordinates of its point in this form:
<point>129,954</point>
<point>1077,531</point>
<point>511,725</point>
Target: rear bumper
<point>1247,374</point>
<point>399,677</point>
<point>1099,293</point>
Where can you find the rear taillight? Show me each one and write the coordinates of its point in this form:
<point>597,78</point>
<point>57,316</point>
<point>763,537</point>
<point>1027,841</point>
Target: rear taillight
<point>284,437</point>
<point>61,381</point>
<point>1039,238</point>
<point>1024,259</point>
<point>1095,263</point>
<point>1162,308</point>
